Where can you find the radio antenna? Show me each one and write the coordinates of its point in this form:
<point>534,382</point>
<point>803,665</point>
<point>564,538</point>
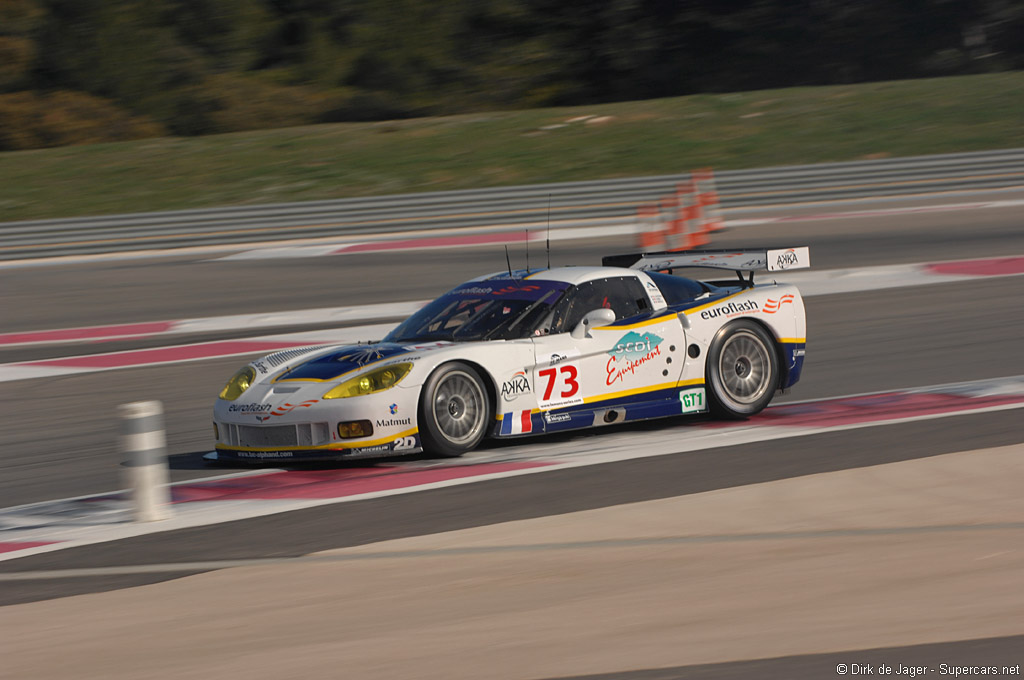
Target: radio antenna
<point>508,262</point>
<point>527,251</point>
<point>548,239</point>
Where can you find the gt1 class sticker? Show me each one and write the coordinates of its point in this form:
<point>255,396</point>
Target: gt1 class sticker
<point>693,400</point>
<point>630,353</point>
<point>516,385</point>
<point>559,386</point>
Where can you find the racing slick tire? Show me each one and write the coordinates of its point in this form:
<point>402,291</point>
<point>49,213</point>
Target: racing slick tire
<point>742,370</point>
<point>454,410</point>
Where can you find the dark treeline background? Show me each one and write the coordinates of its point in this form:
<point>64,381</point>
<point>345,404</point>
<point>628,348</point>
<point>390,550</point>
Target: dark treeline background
<point>79,71</point>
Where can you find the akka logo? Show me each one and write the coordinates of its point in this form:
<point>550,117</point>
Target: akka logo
<point>787,259</point>
<point>393,408</point>
<point>631,352</point>
<point>514,386</point>
<point>288,408</point>
<point>772,306</point>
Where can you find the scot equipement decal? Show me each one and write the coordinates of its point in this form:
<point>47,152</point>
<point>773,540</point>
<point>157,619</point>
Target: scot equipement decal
<point>630,353</point>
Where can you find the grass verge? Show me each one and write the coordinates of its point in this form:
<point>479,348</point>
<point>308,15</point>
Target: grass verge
<point>665,136</point>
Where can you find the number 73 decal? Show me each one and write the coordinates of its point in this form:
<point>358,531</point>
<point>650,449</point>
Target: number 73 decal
<point>559,386</point>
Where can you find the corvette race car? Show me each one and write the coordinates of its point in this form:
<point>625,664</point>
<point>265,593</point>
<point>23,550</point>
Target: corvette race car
<point>530,352</point>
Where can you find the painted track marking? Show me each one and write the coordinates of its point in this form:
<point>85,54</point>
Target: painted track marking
<point>826,282</point>
<point>60,524</point>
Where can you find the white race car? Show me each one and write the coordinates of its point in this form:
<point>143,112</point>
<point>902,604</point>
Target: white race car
<point>529,352</point>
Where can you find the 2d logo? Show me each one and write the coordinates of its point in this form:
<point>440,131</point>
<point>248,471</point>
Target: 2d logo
<point>630,353</point>
<point>516,385</point>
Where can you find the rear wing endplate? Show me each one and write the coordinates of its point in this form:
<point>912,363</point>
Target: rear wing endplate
<point>748,260</point>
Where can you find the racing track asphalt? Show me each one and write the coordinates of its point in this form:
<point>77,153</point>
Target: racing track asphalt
<point>125,291</point>
<point>58,437</point>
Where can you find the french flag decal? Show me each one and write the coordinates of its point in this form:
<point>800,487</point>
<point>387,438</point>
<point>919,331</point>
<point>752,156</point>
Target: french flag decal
<point>516,422</point>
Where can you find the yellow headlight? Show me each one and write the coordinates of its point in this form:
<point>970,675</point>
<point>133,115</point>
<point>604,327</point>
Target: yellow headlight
<point>239,383</point>
<point>375,381</point>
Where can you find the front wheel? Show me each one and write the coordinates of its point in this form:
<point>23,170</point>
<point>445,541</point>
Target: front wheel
<point>742,370</point>
<point>453,410</point>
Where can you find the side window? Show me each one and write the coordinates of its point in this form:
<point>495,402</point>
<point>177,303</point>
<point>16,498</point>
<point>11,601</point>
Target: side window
<point>624,295</point>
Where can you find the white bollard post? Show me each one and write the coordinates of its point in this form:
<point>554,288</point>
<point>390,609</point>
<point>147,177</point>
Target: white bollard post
<point>145,459</point>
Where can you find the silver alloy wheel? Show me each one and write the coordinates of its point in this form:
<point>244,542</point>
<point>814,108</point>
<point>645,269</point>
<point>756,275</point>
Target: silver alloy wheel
<point>459,407</point>
<point>744,365</point>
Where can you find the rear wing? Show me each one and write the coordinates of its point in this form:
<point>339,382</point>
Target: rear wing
<point>749,260</point>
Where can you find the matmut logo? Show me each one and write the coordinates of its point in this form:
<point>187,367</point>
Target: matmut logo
<point>772,306</point>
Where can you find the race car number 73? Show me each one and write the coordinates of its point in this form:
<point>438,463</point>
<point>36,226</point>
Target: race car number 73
<point>568,374</point>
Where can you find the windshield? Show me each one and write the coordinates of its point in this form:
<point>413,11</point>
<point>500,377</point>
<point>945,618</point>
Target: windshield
<point>496,309</point>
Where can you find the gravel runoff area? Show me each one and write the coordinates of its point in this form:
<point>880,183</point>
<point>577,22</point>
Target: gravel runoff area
<point>908,553</point>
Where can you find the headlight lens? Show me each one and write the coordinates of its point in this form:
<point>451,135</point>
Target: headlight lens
<point>378,380</point>
<point>239,383</point>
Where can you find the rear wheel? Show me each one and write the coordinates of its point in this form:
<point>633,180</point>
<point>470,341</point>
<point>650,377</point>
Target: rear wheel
<point>454,410</point>
<point>742,370</point>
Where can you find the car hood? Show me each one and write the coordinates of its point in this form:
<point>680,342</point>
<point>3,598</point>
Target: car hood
<point>337,361</point>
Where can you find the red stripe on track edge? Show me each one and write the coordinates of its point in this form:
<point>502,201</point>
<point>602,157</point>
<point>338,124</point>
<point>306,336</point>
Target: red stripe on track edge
<point>996,266</point>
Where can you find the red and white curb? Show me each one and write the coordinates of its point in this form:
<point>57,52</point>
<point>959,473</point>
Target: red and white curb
<point>811,283</point>
<point>157,356</point>
<point>55,525</point>
<point>814,282</point>
<point>136,331</point>
<point>528,234</point>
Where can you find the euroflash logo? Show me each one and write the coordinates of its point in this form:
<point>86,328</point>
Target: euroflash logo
<point>393,408</point>
<point>729,309</point>
<point>772,306</point>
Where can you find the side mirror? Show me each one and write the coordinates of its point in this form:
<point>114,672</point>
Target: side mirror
<point>592,319</point>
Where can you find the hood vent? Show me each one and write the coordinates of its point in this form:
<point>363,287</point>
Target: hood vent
<point>278,358</point>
